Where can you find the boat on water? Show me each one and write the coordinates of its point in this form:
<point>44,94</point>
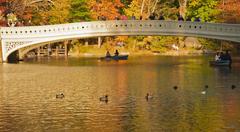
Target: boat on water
<point>119,57</point>
<point>220,63</point>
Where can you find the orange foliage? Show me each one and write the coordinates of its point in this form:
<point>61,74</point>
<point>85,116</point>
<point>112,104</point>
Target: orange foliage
<point>230,10</point>
<point>107,8</point>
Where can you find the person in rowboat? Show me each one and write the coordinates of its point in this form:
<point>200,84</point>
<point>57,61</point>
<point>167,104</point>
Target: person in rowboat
<point>116,53</point>
<point>217,57</point>
<point>108,55</point>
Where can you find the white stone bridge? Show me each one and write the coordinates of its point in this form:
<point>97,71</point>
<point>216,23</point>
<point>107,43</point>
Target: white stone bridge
<point>15,38</point>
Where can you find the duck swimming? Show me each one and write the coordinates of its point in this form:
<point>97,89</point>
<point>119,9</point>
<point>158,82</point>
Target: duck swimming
<point>175,87</point>
<point>104,98</point>
<point>60,96</point>
<point>148,96</point>
<point>205,90</point>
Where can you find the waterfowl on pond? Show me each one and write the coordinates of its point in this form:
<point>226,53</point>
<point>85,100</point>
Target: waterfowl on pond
<point>148,96</point>
<point>205,90</point>
<point>60,96</point>
<point>175,87</point>
<point>104,98</point>
<point>206,86</point>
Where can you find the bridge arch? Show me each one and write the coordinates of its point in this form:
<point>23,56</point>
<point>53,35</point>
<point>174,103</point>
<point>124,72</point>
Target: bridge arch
<point>14,38</point>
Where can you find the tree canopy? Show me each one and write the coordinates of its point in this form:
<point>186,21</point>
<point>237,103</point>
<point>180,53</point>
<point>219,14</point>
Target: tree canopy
<point>79,11</point>
<point>205,10</point>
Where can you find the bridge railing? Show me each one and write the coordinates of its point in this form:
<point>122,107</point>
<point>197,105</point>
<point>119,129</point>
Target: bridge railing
<point>131,27</point>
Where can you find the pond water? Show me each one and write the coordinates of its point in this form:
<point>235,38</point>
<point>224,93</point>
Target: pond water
<point>28,95</point>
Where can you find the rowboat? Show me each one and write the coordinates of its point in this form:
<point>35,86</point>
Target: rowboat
<point>119,57</point>
<point>220,63</point>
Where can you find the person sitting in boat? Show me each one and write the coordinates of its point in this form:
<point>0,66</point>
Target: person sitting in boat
<point>116,53</point>
<point>222,56</point>
<point>228,57</point>
<point>217,57</point>
<point>108,55</point>
<point>225,56</point>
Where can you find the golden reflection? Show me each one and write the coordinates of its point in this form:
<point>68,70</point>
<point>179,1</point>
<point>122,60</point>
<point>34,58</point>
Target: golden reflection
<point>28,102</point>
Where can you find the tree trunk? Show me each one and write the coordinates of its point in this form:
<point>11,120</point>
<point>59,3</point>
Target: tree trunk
<point>155,6</point>
<point>183,7</point>
<point>143,2</point>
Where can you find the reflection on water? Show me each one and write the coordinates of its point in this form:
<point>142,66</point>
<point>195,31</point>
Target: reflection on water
<point>28,95</point>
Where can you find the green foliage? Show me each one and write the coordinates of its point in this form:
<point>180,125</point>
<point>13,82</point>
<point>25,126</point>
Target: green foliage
<point>134,8</point>
<point>126,2</point>
<point>206,10</point>
<point>79,11</point>
<point>151,43</point>
<point>210,43</point>
<point>59,12</point>
<point>79,47</point>
<point>131,43</point>
<point>167,8</point>
<point>162,43</point>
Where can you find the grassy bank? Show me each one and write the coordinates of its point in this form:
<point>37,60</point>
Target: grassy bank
<point>144,45</point>
<point>94,51</point>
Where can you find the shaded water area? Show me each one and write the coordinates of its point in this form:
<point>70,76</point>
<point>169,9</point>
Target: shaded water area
<point>28,95</point>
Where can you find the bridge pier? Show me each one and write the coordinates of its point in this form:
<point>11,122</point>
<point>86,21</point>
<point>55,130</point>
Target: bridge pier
<point>99,42</point>
<point>38,51</point>
<point>49,49</point>
<point>56,51</point>
<point>86,42</point>
<point>66,48</point>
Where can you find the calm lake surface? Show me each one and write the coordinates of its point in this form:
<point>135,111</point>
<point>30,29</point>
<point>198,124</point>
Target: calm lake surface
<point>28,95</point>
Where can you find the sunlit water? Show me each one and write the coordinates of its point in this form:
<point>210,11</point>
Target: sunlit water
<point>28,95</point>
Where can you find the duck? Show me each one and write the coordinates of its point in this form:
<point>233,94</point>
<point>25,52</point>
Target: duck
<point>233,86</point>
<point>60,96</point>
<point>175,87</point>
<point>104,98</point>
<point>206,86</point>
<point>148,96</point>
<point>205,90</point>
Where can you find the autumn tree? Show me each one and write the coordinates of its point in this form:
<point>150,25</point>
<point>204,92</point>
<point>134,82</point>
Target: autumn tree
<point>23,8</point>
<point>53,14</point>
<point>3,9</point>
<point>134,8</point>
<point>126,2</point>
<point>230,11</point>
<point>168,8</point>
<point>141,8</point>
<point>108,8</point>
<point>183,7</point>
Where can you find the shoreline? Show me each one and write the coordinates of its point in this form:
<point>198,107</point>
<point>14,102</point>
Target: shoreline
<point>169,53</point>
<point>132,54</point>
